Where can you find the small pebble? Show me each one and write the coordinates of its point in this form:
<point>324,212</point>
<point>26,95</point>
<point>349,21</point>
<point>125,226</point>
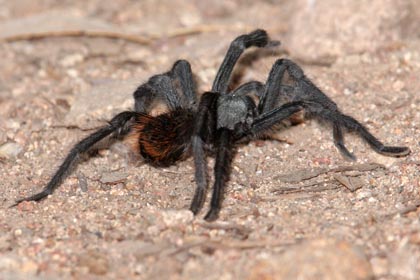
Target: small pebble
<point>97,263</point>
<point>10,150</point>
<point>316,259</point>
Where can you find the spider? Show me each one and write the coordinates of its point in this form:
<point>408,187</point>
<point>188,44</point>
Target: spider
<point>218,121</point>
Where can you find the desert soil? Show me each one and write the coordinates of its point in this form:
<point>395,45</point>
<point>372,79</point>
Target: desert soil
<point>294,207</point>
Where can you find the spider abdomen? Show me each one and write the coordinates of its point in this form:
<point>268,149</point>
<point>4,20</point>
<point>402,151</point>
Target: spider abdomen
<point>164,139</point>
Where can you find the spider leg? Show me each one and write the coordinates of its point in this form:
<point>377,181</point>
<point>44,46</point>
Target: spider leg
<point>224,154</point>
<point>175,87</point>
<point>321,106</point>
<point>269,97</point>
<point>339,142</point>
<point>221,172</point>
<point>268,119</point>
<point>162,84</point>
<point>144,96</point>
<point>204,129</point>
<point>182,78</point>
<point>274,89</point>
<point>258,38</point>
<point>119,126</point>
<point>245,89</point>
<point>353,125</point>
<point>200,175</point>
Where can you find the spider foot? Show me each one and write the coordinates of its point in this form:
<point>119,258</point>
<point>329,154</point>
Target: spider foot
<point>197,201</point>
<point>212,215</point>
<point>258,38</point>
<point>394,151</point>
<point>346,153</point>
<point>35,197</point>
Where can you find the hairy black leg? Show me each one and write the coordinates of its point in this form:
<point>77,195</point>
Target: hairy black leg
<point>182,78</point>
<point>221,172</point>
<point>324,108</point>
<point>144,96</point>
<point>200,164</point>
<point>271,94</point>
<point>353,125</point>
<point>339,142</point>
<point>164,87</point>
<point>118,125</point>
<point>157,87</point>
<point>258,38</point>
<point>267,120</point>
<point>204,128</point>
<point>245,89</point>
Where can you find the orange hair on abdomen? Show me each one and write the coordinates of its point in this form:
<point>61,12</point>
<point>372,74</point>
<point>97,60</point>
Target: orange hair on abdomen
<point>164,139</point>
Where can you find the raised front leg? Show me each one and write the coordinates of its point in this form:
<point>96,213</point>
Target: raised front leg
<point>257,38</point>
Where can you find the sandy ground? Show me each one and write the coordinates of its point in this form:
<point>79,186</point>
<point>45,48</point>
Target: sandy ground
<point>292,208</point>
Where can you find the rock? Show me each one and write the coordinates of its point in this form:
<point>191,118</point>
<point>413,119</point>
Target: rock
<point>113,178</point>
<point>177,218</point>
<point>5,243</point>
<point>29,267</point>
<point>330,28</point>
<point>8,263</point>
<point>10,150</point>
<point>315,259</point>
<point>26,206</point>
<point>96,263</point>
<point>404,262</point>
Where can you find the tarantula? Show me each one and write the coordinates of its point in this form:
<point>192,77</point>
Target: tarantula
<point>217,121</point>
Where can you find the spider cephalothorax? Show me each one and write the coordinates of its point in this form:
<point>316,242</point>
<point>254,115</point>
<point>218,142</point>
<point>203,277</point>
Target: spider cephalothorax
<point>217,121</point>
